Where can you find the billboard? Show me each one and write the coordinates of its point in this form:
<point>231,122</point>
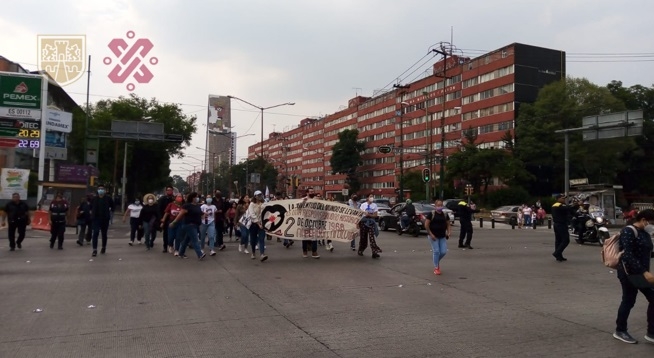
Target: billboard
<point>219,141</point>
<point>219,116</point>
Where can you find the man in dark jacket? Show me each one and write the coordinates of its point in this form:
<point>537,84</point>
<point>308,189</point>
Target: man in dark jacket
<point>17,213</point>
<point>465,212</point>
<point>561,217</point>
<point>101,208</point>
<point>58,211</point>
<point>222,206</point>
<point>84,221</point>
<point>163,204</point>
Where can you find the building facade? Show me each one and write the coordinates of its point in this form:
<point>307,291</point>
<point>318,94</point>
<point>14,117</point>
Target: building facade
<point>425,120</point>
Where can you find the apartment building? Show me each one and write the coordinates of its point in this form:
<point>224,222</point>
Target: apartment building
<point>427,117</point>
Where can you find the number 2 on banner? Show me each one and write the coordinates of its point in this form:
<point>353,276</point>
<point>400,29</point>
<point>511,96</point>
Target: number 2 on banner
<point>292,221</point>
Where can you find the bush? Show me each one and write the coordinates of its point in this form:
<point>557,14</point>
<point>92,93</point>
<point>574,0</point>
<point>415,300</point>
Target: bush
<point>508,196</point>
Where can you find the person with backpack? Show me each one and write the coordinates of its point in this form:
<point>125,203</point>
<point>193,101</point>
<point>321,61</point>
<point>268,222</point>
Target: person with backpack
<point>636,247</point>
<point>438,231</point>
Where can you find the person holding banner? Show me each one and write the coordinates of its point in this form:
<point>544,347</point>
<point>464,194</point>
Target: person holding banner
<point>314,243</point>
<point>368,228</point>
<point>257,233</point>
<point>353,203</point>
<point>243,223</point>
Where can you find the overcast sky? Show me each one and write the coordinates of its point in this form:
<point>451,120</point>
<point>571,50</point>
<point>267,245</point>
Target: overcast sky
<point>319,53</point>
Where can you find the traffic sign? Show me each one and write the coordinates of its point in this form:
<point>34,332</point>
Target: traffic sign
<point>384,149</point>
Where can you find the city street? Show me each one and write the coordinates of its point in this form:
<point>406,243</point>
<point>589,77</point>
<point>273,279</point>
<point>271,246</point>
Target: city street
<point>506,298</point>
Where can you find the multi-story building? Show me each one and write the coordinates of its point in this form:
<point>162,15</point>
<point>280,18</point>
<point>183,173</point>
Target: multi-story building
<point>426,117</point>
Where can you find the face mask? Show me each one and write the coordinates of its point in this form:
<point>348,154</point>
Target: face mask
<point>370,200</point>
<point>312,195</point>
<point>197,200</point>
<point>209,201</point>
<point>137,202</point>
<point>439,208</point>
<point>150,201</point>
<point>178,200</point>
<point>101,192</point>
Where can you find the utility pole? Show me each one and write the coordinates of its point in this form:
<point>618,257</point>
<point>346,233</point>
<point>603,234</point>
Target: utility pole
<point>428,143</point>
<point>401,115</point>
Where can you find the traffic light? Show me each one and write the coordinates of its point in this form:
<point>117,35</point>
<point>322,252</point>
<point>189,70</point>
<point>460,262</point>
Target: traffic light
<point>297,182</point>
<point>469,190</point>
<point>426,175</point>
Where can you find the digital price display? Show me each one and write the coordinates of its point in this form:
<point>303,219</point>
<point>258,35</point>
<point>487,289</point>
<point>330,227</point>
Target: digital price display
<point>34,140</point>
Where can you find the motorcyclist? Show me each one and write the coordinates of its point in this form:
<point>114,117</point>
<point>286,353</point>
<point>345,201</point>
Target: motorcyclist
<point>410,212</point>
<point>581,215</point>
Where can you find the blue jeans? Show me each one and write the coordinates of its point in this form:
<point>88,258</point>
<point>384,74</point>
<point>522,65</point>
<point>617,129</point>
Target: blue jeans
<point>405,220</point>
<point>149,233</point>
<point>245,236</point>
<point>173,233</point>
<point>439,248</point>
<point>257,237</point>
<point>208,229</point>
<point>528,220</point>
<point>190,234</point>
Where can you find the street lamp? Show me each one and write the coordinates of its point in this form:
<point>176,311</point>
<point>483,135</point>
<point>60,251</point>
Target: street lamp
<point>262,109</point>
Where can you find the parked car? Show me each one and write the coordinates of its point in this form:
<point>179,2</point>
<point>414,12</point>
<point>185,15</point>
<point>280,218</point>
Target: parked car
<point>505,214</point>
<point>387,222</point>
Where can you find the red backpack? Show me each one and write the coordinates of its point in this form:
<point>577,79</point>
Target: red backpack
<point>611,253</point>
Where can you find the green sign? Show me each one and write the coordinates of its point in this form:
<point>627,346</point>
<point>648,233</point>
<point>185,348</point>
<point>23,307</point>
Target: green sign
<point>9,132</point>
<point>20,91</point>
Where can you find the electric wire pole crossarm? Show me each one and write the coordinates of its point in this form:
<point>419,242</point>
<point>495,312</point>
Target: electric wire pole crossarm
<point>261,109</point>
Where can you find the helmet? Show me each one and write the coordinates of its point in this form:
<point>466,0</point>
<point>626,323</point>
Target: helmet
<point>463,203</point>
<point>408,201</point>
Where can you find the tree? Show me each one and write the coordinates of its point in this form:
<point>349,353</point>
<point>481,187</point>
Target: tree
<point>562,105</point>
<point>179,183</point>
<point>268,178</point>
<point>148,163</point>
<point>639,161</point>
<point>346,157</point>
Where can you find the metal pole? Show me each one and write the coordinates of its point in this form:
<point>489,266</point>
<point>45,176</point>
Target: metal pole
<point>86,128</point>
<point>566,176</point>
<point>262,162</point>
<point>401,153</point>
<point>122,195</point>
<point>441,179</point>
<point>428,145</point>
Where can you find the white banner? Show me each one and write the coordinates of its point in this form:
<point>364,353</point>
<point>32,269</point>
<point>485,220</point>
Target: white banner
<point>14,181</point>
<point>59,121</point>
<point>311,220</point>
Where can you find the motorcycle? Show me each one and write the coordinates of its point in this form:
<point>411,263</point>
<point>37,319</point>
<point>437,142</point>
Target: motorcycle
<point>414,226</point>
<point>595,228</point>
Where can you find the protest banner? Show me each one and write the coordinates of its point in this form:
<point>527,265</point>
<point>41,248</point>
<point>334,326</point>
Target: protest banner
<point>311,220</point>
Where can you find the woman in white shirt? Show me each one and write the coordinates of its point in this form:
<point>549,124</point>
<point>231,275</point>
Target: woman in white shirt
<point>134,210</point>
<point>257,233</point>
<point>208,226</point>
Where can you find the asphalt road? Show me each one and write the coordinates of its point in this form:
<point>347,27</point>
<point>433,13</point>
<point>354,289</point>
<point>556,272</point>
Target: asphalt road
<point>506,298</point>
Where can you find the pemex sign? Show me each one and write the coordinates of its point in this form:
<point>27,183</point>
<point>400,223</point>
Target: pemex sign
<point>20,96</point>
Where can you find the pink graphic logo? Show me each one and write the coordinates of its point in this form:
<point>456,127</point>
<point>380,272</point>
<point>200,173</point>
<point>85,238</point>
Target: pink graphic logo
<point>132,61</point>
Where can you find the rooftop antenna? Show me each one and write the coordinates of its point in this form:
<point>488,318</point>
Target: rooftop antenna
<point>356,91</point>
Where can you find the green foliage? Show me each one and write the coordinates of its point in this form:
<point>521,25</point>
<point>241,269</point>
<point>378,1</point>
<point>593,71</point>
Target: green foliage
<point>479,166</point>
<point>413,183</point>
<point>562,105</point>
<point>238,173</point>
<point>147,162</point>
<point>507,196</point>
<point>179,183</point>
<point>346,157</point>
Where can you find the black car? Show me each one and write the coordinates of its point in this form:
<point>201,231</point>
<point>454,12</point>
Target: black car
<point>390,221</point>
